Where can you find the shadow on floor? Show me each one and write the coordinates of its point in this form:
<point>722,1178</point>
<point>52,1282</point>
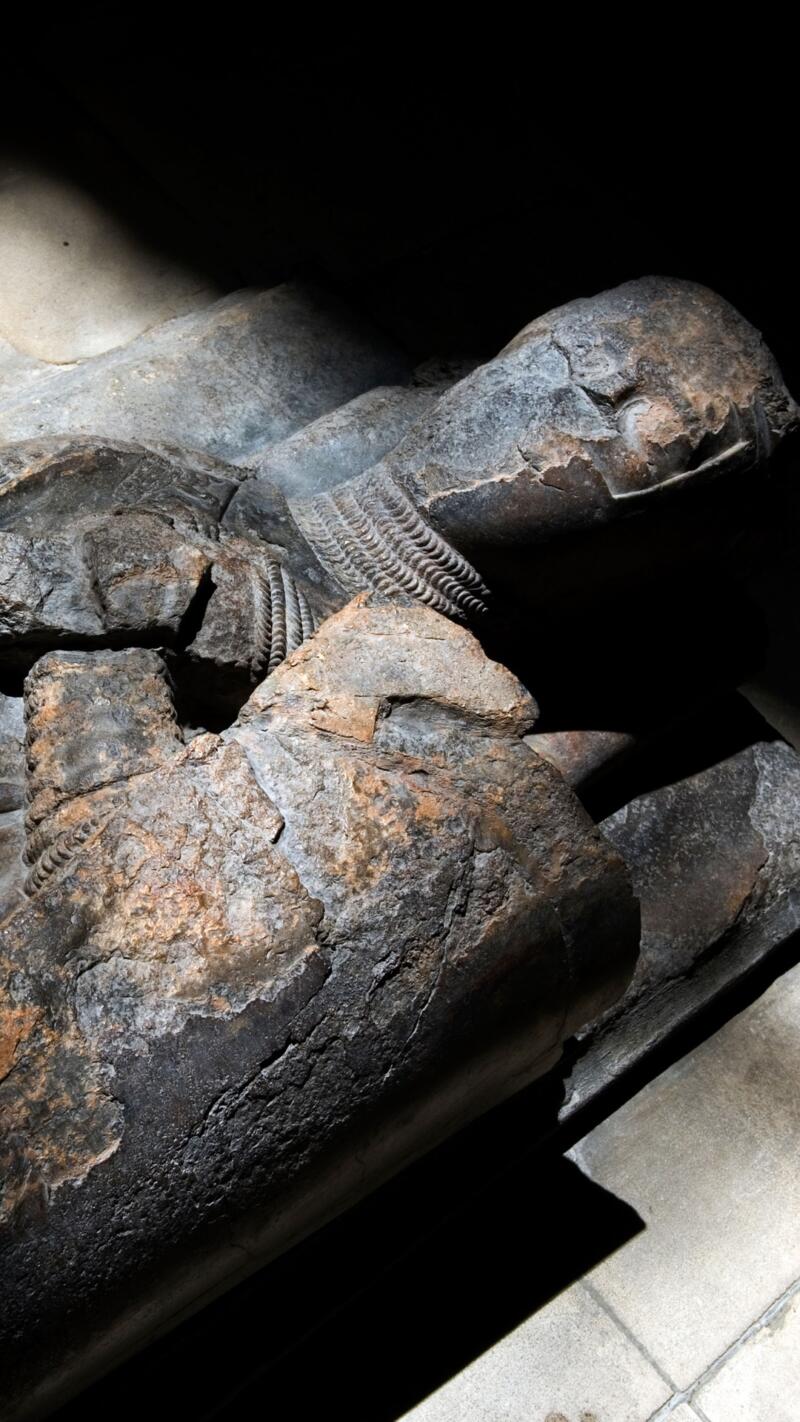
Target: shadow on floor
<point>368,1317</point>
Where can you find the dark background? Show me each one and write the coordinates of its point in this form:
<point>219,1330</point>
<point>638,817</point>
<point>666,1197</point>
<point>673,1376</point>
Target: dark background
<point>456,179</point>
<point>456,184</point>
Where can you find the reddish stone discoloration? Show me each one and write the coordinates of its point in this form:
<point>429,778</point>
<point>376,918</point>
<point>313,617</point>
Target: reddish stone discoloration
<point>16,1026</point>
<point>370,654</point>
<point>212,867</point>
<point>58,1118</point>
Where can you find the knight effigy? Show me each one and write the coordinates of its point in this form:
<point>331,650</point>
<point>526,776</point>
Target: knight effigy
<point>325,821</point>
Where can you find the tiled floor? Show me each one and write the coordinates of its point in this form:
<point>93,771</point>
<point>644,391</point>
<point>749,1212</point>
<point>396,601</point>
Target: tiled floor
<point>697,1316</point>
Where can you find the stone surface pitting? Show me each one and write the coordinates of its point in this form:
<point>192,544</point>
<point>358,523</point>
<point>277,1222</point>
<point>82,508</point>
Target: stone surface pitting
<point>117,544</point>
<point>279,961</point>
<point>241,976</point>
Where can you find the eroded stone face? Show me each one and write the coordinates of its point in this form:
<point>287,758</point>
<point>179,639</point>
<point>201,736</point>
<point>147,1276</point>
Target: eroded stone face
<point>592,413</point>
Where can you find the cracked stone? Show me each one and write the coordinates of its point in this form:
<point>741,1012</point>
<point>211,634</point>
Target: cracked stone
<point>240,966</point>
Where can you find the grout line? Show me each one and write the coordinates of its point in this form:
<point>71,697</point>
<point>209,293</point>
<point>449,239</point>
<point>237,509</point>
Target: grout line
<point>680,1399</point>
<point>763,1321</point>
<point>697,1409</point>
<point>595,1294</point>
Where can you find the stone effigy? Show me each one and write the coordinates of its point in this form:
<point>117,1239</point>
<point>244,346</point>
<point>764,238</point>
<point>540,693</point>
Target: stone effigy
<point>296,889</point>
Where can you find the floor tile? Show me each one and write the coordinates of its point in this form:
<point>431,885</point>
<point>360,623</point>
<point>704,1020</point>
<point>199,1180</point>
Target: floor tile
<point>567,1363</point>
<point>707,1154</point>
<point>761,1381</point>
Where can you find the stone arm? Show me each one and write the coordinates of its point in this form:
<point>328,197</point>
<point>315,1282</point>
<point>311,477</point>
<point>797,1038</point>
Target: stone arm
<point>254,974</point>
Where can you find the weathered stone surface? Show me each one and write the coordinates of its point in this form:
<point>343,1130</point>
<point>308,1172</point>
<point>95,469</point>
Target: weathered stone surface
<point>258,612</point>
<point>144,575</point>
<point>12,868</point>
<point>344,443</point>
<point>113,544</point>
<point>715,862</point>
<point>574,387</point>
<point>48,483</point>
<point>17,371</point>
<point>118,581</point>
<point>581,756</point>
<point>279,963</point>
<point>47,592</point>
<point>92,721</point>
<point>592,413</point>
<point>249,974</point>
<point>253,367</point>
<point>110,543</point>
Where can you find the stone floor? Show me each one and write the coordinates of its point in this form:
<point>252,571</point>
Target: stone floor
<point>697,1316</point>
